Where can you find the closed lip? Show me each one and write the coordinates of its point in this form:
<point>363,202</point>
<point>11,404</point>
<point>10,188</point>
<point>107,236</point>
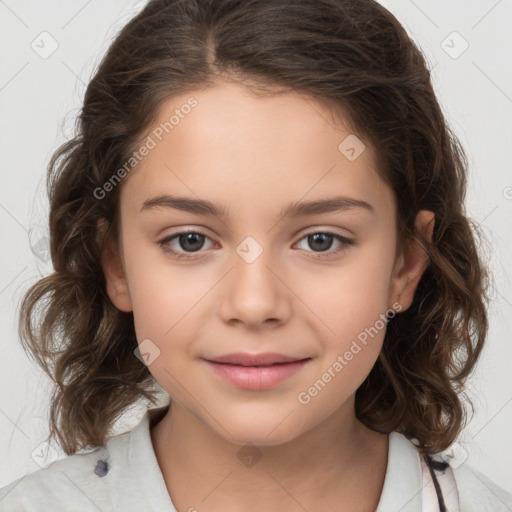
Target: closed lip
<point>244,359</point>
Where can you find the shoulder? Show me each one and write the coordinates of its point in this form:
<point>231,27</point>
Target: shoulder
<point>75,482</point>
<point>478,493</point>
<point>122,475</point>
<point>464,488</point>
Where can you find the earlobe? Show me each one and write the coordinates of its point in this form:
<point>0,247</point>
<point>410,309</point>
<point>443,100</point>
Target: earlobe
<point>412,262</point>
<point>116,283</point>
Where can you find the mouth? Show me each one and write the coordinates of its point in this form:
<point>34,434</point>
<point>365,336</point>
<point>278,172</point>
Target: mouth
<point>265,359</point>
<point>256,376</point>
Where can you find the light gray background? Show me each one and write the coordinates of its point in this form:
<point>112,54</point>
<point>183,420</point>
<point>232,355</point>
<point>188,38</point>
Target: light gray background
<point>39,98</point>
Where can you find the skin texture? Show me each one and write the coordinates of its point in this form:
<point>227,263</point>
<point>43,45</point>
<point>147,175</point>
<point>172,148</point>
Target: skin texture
<point>257,155</point>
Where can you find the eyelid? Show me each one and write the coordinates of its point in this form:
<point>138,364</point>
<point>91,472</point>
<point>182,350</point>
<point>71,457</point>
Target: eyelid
<point>165,241</point>
<point>323,229</point>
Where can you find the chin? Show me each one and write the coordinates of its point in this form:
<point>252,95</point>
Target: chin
<point>260,439</point>
<point>272,432</point>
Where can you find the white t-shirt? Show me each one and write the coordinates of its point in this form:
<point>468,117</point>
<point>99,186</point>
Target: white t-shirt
<point>124,476</point>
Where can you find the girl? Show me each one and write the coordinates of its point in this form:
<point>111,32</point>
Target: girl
<point>300,377</point>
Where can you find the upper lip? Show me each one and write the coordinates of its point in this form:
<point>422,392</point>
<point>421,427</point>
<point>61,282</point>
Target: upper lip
<point>245,359</point>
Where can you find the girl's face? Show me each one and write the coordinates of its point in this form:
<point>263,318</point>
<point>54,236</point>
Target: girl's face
<point>253,279</point>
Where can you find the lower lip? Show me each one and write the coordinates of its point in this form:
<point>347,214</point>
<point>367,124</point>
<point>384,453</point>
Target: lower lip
<point>256,377</point>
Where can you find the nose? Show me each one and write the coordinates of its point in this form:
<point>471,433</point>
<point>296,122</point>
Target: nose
<point>254,293</point>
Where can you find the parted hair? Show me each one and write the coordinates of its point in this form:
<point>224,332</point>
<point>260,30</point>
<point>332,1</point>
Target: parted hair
<point>353,55</point>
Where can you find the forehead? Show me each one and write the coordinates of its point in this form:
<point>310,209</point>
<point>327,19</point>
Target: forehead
<point>249,151</point>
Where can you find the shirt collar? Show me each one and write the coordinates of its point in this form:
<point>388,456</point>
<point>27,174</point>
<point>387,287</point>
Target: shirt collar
<point>402,487</point>
<point>145,471</point>
<point>401,492</point>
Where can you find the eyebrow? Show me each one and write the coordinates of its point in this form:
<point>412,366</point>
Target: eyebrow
<point>296,209</point>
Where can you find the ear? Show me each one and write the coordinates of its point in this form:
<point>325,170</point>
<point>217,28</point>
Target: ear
<point>411,263</point>
<point>113,269</point>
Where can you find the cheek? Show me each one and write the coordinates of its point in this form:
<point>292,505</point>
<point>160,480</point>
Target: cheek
<point>351,302</point>
<point>166,310</point>
<point>350,297</point>
<point>165,297</point>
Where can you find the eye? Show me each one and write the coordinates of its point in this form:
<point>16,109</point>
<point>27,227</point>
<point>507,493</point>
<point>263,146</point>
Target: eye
<point>323,240</point>
<point>191,242</point>
<point>186,243</point>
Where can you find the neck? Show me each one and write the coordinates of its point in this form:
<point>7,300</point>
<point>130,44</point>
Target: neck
<point>338,461</point>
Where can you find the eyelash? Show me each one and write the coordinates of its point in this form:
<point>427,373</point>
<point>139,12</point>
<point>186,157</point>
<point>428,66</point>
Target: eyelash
<point>163,243</point>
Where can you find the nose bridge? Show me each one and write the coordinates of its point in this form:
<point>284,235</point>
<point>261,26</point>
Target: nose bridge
<point>252,266</point>
<point>254,293</point>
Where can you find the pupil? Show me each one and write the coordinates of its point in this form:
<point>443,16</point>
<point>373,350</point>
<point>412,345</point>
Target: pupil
<point>191,237</point>
<point>320,237</point>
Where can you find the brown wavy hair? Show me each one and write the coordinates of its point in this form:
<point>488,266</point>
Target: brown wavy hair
<point>350,54</point>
